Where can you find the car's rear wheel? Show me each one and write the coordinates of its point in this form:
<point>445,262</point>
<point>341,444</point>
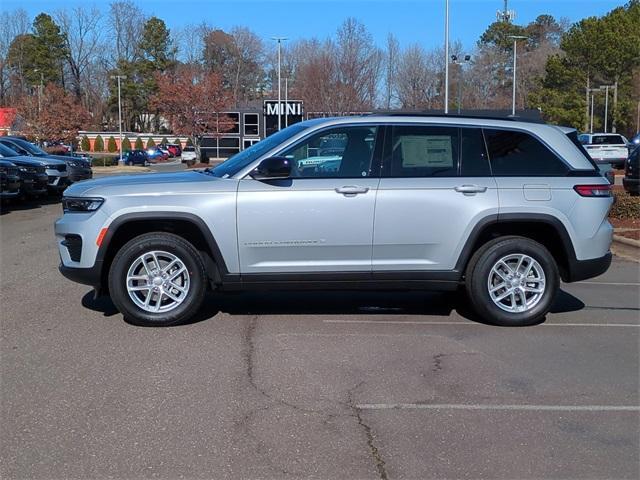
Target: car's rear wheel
<point>512,281</point>
<point>157,279</point>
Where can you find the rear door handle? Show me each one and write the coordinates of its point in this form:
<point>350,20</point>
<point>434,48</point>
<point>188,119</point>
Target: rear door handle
<point>470,189</point>
<point>351,190</point>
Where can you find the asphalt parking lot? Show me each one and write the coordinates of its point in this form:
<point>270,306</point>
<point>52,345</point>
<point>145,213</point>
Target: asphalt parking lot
<point>310,385</point>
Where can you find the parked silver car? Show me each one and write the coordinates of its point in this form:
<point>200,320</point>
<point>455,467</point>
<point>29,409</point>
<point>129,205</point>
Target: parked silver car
<point>502,209</point>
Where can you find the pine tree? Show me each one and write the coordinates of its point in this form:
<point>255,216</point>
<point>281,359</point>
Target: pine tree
<point>111,145</point>
<point>85,145</point>
<point>98,144</point>
<point>139,145</point>
<point>126,144</point>
<point>151,143</point>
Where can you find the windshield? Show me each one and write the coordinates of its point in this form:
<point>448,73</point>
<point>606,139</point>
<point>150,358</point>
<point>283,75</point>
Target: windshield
<point>29,147</point>
<point>608,140</point>
<point>240,160</point>
<point>7,152</point>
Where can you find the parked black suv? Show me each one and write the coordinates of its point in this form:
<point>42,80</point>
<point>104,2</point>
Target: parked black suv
<point>38,175</point>
<point>632,173</point>
<point>78,168</point>
<point>9,180</point>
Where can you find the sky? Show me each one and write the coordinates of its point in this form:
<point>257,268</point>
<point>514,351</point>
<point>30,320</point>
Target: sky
<point>411,21</point>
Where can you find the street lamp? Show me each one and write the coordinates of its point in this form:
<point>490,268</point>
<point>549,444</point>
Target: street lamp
<point>279,40</point>
<point>515,56</point>
<point>460,62</point>
<point>119,78</point>
<point>446,56</point>
<point>606,88</point>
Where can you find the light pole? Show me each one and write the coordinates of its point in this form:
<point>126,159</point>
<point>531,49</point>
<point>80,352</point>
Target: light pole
<point>606,105</point>
<point>279,40</point>
<point>119,78</point>
<point>515,60</point>
<point>460,63</point>
<point>286,102</point>
<point>446,56</point>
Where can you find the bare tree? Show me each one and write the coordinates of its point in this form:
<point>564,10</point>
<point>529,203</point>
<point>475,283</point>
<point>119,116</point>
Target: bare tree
<point>81,28</point>
<point>12,24</point>
<point>417,78</point>
<point>190,40</point>
<point>126,21</point>
<point>391,69</point>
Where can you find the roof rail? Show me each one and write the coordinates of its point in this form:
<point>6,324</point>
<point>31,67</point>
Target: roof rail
<point>530,116</point>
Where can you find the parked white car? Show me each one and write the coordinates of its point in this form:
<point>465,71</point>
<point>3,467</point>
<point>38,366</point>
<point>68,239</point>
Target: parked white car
<point>189,154</point>
<point>606,148</point>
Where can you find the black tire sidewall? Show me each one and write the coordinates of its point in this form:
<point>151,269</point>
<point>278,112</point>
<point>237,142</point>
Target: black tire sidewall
<point>477,283</point>
<point>168,243</point>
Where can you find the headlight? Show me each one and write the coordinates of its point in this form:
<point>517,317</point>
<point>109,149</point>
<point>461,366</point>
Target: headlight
<point>81,204</point>
<point>3,170</point>
<point>73,164</point>
<point>23,169</point>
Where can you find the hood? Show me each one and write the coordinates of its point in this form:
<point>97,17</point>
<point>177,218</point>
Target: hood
<point>66,158</point>
<point>27,161</point>
<point>151,183</point>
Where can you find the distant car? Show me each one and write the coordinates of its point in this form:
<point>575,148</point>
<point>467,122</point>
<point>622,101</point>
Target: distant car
<point>606,148</point>
<point>9,180</point>
<point>135,157</point>
<point>189,155</point>
<point>173,149</point>
<point>155,153</point>
<point>632,173</point>
<point>635,141</point>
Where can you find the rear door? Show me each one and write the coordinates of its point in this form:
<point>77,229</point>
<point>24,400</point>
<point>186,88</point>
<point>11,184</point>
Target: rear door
<point>319,220</point>
<point>435,186</point>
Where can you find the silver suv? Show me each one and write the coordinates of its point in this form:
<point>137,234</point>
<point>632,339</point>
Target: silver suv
<point>501,209</point>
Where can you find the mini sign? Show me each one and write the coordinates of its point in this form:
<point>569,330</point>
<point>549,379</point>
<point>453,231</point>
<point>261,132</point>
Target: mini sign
<point>290,112</point>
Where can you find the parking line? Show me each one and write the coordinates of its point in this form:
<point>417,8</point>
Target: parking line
<point>413,322</point>
<point>618,284</point>
<point>465,406</point>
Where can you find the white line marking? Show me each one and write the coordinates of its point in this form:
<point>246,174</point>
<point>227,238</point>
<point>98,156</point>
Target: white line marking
<point>620,284</point>
<point>462,406</point>
<point>410,322</point>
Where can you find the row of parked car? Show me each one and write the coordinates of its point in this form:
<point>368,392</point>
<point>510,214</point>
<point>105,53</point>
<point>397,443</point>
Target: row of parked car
<point>160,152</point>
<point>28,171</point>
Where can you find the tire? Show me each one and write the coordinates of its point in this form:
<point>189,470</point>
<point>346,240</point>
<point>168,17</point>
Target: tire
<point>543,275</point>
<point>162,310</point>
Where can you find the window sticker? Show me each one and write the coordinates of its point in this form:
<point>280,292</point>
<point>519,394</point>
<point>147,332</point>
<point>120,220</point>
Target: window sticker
<point>420,151</point>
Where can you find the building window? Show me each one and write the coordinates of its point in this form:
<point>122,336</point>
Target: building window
<point>251,126</point>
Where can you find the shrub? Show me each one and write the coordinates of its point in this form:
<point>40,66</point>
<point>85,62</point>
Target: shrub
<point>189,142</point>
<point>139,145</point>
<point>85,145</point>
<point>625,206</point>
<point>177,142</point>
<point>151,143</point>
<point>126,144</point>
<point>111,145</point>
<point>164,141</point>
<point>98,144</point>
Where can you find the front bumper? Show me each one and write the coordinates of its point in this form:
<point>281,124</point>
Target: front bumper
<point>86,276</point>
<point>9,186</point>
<point>34,184</point>
<point>77,174</point>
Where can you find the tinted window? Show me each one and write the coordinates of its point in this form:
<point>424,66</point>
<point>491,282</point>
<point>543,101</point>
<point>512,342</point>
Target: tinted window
<point>343,152</point>
<point>608,140</point>
<point>422,151</point>
<point>473,154</point>
<point>518,154</point>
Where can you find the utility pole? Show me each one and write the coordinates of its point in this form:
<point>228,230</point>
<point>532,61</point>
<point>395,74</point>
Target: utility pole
<point>515,57</point>
<point>119,78</point>
<point>279,40</point>
<point>446,57</point>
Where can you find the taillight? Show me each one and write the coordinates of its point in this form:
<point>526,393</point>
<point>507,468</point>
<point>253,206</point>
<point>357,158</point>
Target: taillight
<point>593,190</point>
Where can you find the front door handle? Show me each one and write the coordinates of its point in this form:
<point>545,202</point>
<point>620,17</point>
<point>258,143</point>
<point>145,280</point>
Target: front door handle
<point>470,189</point>
<point>351,190</point>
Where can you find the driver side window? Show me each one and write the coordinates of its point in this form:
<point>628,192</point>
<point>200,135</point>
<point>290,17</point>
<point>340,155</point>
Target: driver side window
<point>343,152</point>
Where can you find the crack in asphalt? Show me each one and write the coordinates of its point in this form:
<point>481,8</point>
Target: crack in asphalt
<point>379,463</point>
<point>250,359</point>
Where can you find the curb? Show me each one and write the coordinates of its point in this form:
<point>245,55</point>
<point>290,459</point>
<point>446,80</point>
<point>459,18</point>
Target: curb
<point>630,242</point>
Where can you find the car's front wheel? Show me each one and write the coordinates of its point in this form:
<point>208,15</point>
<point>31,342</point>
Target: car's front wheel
<point>157,279</point>
<point>512,281</point>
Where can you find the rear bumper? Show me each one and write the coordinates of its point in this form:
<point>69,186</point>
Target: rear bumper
<point>583,269</point>
<point>631,184</point>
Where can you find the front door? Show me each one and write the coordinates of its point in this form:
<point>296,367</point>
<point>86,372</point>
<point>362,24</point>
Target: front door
<point>319,220</point>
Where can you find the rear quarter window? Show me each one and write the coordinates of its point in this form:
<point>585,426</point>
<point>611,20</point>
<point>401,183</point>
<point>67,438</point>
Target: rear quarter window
<point>519,154</point>
<point>608,140</point>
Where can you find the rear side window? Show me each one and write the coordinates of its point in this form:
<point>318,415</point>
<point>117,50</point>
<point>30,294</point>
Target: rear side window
<point>473,154</point>
<point>607,140</point>
<point>518,154</point>
<point>422,151</point>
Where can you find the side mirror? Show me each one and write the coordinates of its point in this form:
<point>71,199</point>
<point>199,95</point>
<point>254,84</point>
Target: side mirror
<point>272,168</point>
